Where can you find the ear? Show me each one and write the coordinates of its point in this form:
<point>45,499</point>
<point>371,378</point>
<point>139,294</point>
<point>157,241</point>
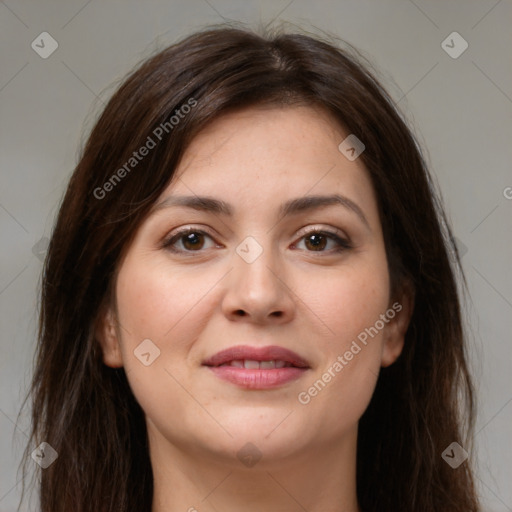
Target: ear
<point>394,333</point>
<point>108,338</point>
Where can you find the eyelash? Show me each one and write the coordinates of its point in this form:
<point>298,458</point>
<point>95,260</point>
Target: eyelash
<point>343,243</point>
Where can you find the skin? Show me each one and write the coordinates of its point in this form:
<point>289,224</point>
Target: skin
<point>314,302</point>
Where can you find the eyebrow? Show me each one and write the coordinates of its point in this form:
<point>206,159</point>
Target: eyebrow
<point>291,207</point>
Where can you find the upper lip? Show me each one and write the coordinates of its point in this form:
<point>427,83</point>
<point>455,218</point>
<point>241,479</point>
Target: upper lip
<point>246,352</point>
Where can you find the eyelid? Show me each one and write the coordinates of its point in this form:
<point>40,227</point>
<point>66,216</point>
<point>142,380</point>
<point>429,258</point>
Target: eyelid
<point>319,228</point>
<point>188,227</point>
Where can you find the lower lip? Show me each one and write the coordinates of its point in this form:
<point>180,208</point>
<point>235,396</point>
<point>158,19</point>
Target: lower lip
<point>258,379</point>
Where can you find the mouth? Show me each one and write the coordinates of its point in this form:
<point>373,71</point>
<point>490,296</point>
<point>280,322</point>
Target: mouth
<point>253,358</point>
<point>253,364</point>
<point>257,367</point>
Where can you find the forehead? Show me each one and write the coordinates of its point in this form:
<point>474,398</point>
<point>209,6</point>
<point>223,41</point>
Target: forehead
<point>261,156</point>
<point>301,133</point>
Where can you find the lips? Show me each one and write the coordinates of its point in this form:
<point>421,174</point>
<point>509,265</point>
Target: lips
<point>255,368</point>
<point>253,358</point>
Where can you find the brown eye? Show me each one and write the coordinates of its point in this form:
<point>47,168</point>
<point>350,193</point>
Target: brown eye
<point>193,241</point>
<point>317,241</point>
<point>187,240</point>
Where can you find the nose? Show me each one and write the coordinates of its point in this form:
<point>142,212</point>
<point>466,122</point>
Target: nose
<point>258,291</point>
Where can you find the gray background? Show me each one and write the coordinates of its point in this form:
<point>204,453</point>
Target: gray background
<point>460,108</point>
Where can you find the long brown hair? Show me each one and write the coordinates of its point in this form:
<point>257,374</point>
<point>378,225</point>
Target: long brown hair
<point>86,410</point>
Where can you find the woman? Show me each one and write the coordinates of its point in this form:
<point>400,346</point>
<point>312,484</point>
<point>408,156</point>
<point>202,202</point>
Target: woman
<point>248,300</point>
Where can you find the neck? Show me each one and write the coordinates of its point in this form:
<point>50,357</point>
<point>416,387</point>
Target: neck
<point>321,479</point>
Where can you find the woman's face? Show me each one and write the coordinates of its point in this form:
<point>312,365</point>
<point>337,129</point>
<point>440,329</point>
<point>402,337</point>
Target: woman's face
<point>263,272</point>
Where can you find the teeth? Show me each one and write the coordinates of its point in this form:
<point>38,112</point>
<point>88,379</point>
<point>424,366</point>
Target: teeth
<point>251,364</point>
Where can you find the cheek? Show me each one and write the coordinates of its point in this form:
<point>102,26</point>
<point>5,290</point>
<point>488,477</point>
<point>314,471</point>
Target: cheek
<point>155,303</point>
<point>349,300</point>
<point>169,309</point>
<point>349,305</point>
<point>145,305</point>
